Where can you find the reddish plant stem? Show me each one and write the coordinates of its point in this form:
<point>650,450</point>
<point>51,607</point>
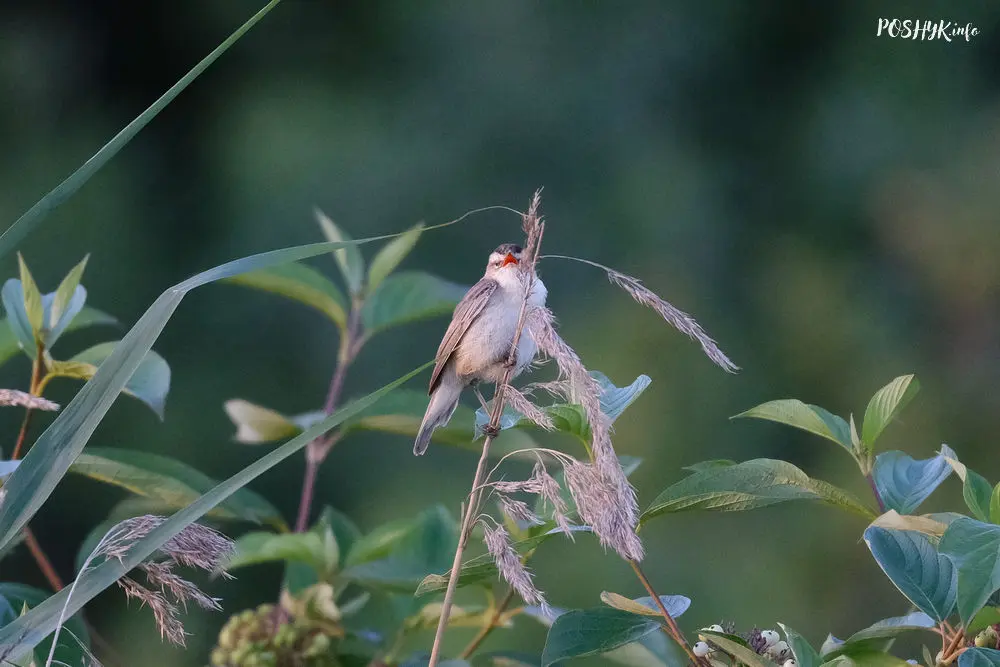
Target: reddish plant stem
<point>485,631</point>
<point>44,564</point>
<point>317,450</point>
<point>672,628</point>
<point>36,377</point>
<point>878,496</point>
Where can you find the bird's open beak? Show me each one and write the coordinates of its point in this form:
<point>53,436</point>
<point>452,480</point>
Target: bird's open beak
<point>509,259</point>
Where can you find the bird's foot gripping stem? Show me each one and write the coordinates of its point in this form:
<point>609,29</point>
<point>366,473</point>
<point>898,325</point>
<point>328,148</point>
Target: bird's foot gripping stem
<point>491,431</point>
<point>511,360</point>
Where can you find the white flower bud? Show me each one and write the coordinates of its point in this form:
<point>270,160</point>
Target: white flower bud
<point>715,628</point>
<point>790,663</point>
<point>770,636</point>
<point>701,649</point>
<point>778,648</point>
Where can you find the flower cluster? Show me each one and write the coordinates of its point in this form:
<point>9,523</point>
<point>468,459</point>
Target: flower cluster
<point>762,642</point>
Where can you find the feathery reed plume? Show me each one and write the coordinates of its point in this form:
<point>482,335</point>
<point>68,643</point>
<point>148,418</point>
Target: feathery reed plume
<point>674,316</point>
<point>605,498</point>
<point>165,614</point>
<point>511,568</point>
<point>531,224</point>
<point>518,510</point>
<point>25,400</point>
<point>521,403</point>
<point>160,574</point>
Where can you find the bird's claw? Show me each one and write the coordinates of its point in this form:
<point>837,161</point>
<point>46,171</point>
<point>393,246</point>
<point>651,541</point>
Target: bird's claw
<point>491,430</point>
<point>510,361</point>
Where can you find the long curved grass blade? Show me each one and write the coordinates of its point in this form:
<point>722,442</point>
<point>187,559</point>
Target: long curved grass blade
<point>17,231</point>
<point>56,449</point>
<point>23,634</point>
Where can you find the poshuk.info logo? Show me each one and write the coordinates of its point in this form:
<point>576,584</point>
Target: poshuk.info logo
<point>925,30</point>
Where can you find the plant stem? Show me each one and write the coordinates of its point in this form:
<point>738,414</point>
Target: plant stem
<point>44,564</point>
<point>878,496</point>
<point>317,450</point>
<point>672,629</point>
<point>472,511</point>
<point>485,631</point>
<point>37,367</point>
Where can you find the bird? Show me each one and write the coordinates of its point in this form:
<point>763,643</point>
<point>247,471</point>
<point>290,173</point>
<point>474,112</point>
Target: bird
<point>476,346</point>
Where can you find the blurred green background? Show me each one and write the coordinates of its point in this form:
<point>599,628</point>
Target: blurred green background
<point>823,201</point>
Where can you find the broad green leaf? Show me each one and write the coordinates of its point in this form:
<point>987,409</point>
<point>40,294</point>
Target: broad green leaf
<point>873,638</point>
<point>9,344</point>
<point>711,464</point>
<point>654,650</point>
<point>586,632</point>
<point>974,549</point>
<point>380,542</point>
<point>976,491</point>
<point>644,606</point>
<point>13,299</point>
<point>749,485</point>
<point>64,295</point>
<point>31,299</point>
<point>482,568</point>
<point>150,383</point>
<point>17,596</point>
<point>27,631</point>
<point>17,231</point>
<point>428,546</point>
<point>885,405</point>
<point>926,577</point>
<point>409,296</point>
<point>170,482</point>
<point>995,505</point>
<point>301,283</point>
<point>805,654</point>
<point>979,657</point>
<point>904,483</point>
<point>263,547</point>
<point>807,417</point>
<point>741,652</point>
<point>256,424</point>
<point>348,257</point>
<point>390,255</point>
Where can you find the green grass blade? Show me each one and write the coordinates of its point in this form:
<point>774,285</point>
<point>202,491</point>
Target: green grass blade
<point>55,450</point>
<point>27,631</point>
<point>13,235</point>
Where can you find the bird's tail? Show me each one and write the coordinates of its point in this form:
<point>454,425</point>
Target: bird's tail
<point>444,400</point>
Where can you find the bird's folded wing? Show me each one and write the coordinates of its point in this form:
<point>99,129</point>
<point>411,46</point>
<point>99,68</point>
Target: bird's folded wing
<point>466,312</point>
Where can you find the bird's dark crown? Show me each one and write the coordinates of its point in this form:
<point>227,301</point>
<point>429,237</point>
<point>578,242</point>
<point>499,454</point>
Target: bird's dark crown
<point>505,248</point>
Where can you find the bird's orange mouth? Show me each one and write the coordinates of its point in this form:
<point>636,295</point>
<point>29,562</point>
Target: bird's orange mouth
<point>509,259</point>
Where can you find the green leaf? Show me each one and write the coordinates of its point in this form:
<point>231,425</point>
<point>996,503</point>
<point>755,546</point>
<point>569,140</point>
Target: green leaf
<point>807,417</point>
<point>348,257</point>
<point>930,525</point>
<point>644,606</point>
<point>995,505</point>
<point>170,482</point>
<point>150,383</point>
<point>586,632</point>
<point>744,654</point>
<point>31,299</point>
<point>904,483</point>
<point>10,345</point>
<point>653,650</point>
<point>262,547</point>
<point>914,566</point>
<point>985,616</point>
<point>17,231</point>
<point>974,549</point>
<point>390,255</point>
<point>409,296</point>
<point>805,654</point>
<point>873,638</point>
<point>256,424</point>
<point>976,490</point>
<point>64,294</point>
<point>749,485</point>
<point>68,652</point>
<point>27,631</point>
<point>979,657</point>
<point>428,546</point>
<point>301,283</point>
<point>885,405</point>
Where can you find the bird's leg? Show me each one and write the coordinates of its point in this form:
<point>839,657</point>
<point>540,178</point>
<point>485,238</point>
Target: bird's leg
<point>510,361</point>
<point>488,429</point>
<point>482,401</point>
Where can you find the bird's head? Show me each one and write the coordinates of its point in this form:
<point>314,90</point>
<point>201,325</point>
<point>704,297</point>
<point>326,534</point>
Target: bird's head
<point>506,257</point>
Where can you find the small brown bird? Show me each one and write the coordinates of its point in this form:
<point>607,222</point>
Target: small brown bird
<point>477,343</point>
